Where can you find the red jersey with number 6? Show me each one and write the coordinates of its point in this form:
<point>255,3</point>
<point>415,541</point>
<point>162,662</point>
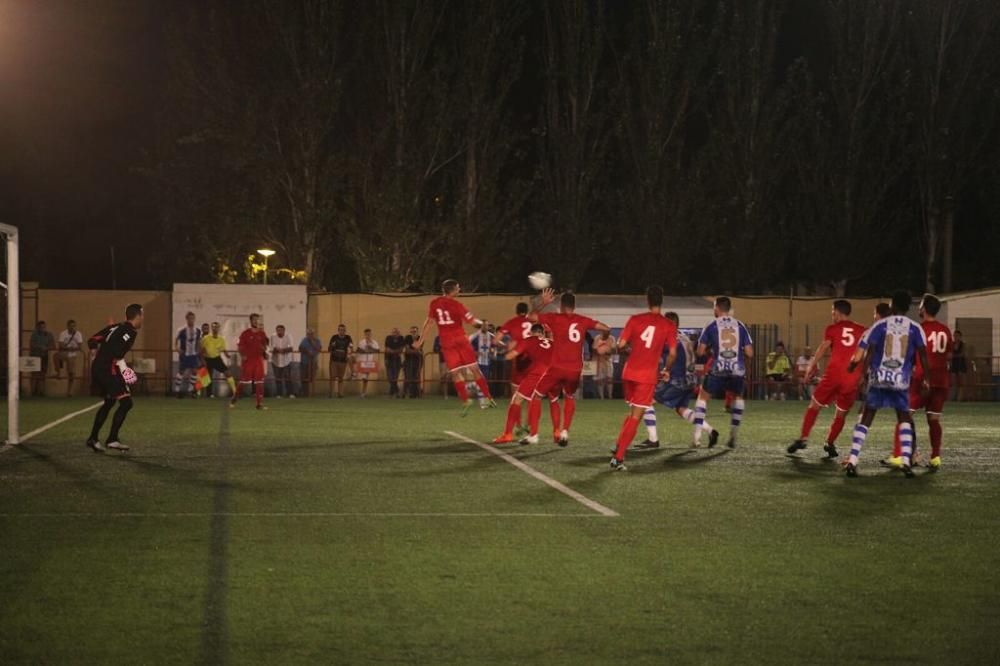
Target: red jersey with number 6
<point>648,333</point>
<point>568,333</point>
<point>843,337</point>
<point>939,346</point>
<point>450,316</point>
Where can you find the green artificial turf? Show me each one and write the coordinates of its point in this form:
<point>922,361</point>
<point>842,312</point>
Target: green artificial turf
<point>357,531</point>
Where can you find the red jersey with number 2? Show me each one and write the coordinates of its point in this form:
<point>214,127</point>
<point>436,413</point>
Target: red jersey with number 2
<point>843,337</point>
<point>519,328</point>
<point>450,316</point>
<point>648,333</point>
<point>939,346</point>
<point>568,333</point>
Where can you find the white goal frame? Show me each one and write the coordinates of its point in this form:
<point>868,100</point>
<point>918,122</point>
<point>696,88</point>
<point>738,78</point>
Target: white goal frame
<point>13,333</point>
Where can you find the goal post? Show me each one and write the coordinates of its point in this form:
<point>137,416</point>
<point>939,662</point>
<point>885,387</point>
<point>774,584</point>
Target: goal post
<point>13,286</point>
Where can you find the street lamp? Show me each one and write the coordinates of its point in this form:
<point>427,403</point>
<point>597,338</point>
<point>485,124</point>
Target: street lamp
<point>267,255</point>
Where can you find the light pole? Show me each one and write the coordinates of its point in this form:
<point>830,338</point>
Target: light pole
<point>267,255</point>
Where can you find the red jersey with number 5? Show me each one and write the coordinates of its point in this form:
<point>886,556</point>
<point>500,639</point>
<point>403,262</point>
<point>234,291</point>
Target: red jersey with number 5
<point>568,333</point>
<point>450,316</point>
<point>648,333</point>
<point>843,337</point>
<point>939,346</point>
<point>519,328</point>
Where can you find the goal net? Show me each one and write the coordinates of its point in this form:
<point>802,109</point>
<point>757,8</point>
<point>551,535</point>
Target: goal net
<point>12,329</point>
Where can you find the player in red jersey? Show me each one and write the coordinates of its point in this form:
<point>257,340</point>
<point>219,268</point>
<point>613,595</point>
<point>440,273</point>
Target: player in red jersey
<point>517,328</point>
<point>646,335</point>
<point>536,349</point>
<point>449,314</point>
<point>940,343</point>
<point>252,345</point>
<point>838,386</point>
<point>569,330</point>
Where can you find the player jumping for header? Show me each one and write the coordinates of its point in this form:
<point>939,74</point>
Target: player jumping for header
<point>892,345</point>
<point>111,377</point>
<point>517,328</point>
<point>449,314</point>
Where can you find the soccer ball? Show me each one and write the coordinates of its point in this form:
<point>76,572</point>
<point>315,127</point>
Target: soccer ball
<point>539,280</point>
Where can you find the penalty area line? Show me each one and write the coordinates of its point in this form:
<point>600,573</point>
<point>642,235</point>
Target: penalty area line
<point>531,471</point>
<point>48,426</point>
<point>294,514</point>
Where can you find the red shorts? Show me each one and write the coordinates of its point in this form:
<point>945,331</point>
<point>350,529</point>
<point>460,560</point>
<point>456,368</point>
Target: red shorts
<point>457,353</point>
<point>559,380</point>
<point>637,394</point>
<point>518,371</point>
<point>252,370</point>
<point>842,391</point>
<point>933,402</point>
<point>529,384</point>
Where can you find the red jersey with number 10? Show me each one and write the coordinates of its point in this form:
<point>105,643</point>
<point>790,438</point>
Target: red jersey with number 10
<point>568,333</point>
<point>939,346</point>
<point>648,333</point>
<point>843,337</point>
<point>450,316</point>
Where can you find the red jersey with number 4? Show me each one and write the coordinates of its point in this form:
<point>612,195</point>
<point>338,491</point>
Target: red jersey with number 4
<point>843,337</point>
<point>939,346</point>
<point>568,334</point>
<point>252,343</point>
<point>537,351</point>
<point>648,334</point>
<point>450,316</point>
<point>519,328</point>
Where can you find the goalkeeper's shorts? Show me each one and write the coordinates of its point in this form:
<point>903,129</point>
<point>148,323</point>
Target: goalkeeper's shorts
<point>109,385</point>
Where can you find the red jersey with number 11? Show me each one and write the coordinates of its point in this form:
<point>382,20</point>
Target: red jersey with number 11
<point>568,333</point>
<point>450,316</point>
<point>843,337</point>
<point>648,333</point>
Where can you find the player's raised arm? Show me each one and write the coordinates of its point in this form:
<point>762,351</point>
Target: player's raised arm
<point>548,297</point>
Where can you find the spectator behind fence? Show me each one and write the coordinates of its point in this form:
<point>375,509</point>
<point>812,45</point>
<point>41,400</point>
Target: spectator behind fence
<point>309,350</point>
<point>413,362</point>
<point>39,345</point>
<point>801,365</point>
<point>604,349</point>
<point>394,345</point>
<point>779,368</point>
<point>341,347</point>
<point>958,366</point>
<point>367,362</point>
<point>70,343</point>
<point>281,362</point>
<point>187,344</point>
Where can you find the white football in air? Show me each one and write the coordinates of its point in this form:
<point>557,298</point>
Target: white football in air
<point>539,280</point>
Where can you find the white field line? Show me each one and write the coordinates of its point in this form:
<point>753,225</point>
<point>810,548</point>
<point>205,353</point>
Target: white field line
<point>38,431</point>
<point>296,514</point>
<point>531,471</point>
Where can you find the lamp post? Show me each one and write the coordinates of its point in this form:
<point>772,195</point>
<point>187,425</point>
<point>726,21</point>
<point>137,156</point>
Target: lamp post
<point>267,255</point>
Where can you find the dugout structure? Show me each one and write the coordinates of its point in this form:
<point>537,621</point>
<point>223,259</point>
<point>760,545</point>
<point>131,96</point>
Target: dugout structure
<point>13,289</point>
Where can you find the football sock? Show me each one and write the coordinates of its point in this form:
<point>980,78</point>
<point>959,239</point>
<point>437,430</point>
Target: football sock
<point>729,399</point>
<point>258,392</point>
<point>513,417</point>
<point>836,426</point>
<point>687,414</point>
<point>808,421</point>
<point>100,417</point>
<point>736,416</point>
<point>554,413</point>
<point>463,395</point>
<point>649,418</point>
<point>935,428</point>
<point>569,409</point>
<point>627,434</point>
<point>699,418</point>
<point>178,382</point>
<point>232,384</point>
<point>124,405</point>
<point>897,445</point>
<point>857,441</point>
<point>534,416</point>
<point>906,442</point>
<point>243,385</point>
<point>484,388</point>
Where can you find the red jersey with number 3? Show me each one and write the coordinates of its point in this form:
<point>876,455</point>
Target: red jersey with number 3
<point>939,346</point>
<point>568,334</point>
<point>843,337</point>
<point>450,316</point>
<point>519,328</point>
<point>537,351</point>
<point>648,333</point>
